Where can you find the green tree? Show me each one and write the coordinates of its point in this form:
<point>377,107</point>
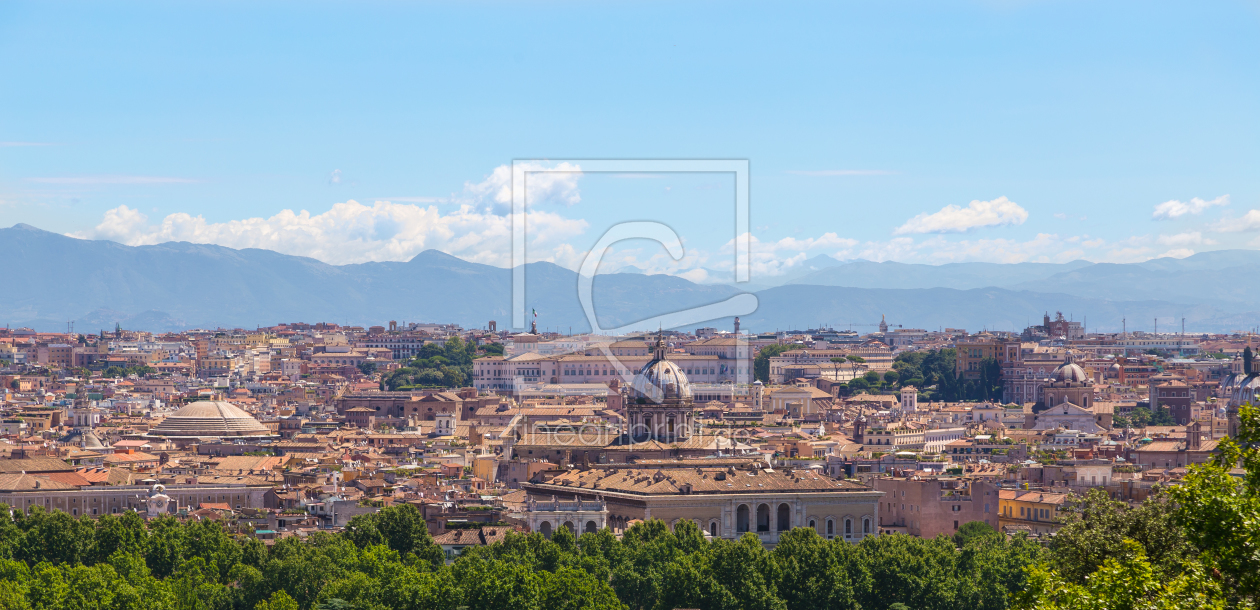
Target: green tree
<point>761,363</point>
<point>1142,417</point>
<point>47,588</point>
<point>1125,582</point>
<point>278,601</point>
<point>989,385</point>
<point>124,533</point>
<point>919,573</point>
<point>817,573</point>
<point>974,530</point>
<point>499,585</point>
<point>747,571</point>
<point>1098,528</point>
<point>399,527</point>
<point>165,546</point>
<point>13,596</point>
<point>1221,512</point>
<point>575,589</point>
<point>54,536</point>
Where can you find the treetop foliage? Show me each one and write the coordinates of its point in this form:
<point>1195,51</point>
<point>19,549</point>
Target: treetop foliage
<point>388,560</point>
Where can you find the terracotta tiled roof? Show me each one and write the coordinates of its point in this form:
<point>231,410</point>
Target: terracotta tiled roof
<point>471,537</point>
<point>35,464</point>
<point>700,480</point>
<point>30,482</point>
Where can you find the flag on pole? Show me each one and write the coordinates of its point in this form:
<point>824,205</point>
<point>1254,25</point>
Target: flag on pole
<point>535,312</point>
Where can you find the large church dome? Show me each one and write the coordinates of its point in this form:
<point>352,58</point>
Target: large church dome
<point>208,419</point>
<point>1069,371</point>
<point>661,380</point>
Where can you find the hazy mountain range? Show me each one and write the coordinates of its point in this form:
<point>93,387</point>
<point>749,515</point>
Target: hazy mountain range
<point>53,279</point>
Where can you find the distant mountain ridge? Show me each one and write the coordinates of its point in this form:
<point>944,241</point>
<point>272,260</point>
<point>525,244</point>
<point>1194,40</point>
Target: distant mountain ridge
<point>54,279</point>
<point>1216,278</point>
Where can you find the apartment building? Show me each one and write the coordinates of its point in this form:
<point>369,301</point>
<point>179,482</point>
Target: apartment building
<point>1034,510</point>
<point>933,505</point>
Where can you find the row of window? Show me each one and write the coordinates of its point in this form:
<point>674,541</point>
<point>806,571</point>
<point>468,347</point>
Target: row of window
<point>1033,514</point>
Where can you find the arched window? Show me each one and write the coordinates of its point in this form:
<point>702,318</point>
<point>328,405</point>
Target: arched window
<point>866,525</point>
<point>545,529</point>
<point>590,527</point>
<point>763,517</point>
<point>831,528</point>
<point>785,518</point>
<point>813,525</point>
<point>713,529</point>
<point>848,528</point>
<point>741,518</point>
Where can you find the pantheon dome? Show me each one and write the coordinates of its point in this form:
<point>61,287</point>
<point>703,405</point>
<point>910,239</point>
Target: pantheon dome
<point>210,419</point>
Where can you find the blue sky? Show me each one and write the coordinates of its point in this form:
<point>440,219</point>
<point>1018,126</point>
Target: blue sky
<point>1067,124</point>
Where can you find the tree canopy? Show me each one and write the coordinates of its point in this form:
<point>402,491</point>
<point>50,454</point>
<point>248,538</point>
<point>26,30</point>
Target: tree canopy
<point>448,365</point>
<point>1189,546</point>
<point>388,561</point>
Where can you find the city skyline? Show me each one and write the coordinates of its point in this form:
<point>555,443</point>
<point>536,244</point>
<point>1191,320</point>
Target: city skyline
<point>427,305</point>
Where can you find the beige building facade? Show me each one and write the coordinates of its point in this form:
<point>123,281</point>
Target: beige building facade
<point>723,503</point>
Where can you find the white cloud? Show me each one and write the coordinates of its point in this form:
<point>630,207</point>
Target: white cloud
<point>121,222</point>
<point>771,258</point>
<point>898,248</point>
<point>1171,209</point>
<point>351,232</point>
<point>1128,254</point>
<point>1178,253</point>
<point>1190,238</point>
<point>698,276</point>
<point>558,186</point>
<point>1045,247</point>
<point>416,199</point>
<point>113,180</point>
<point>954,219</point>
<point>842,172</point>
<point>826,240</point>
<point>1248,222</point>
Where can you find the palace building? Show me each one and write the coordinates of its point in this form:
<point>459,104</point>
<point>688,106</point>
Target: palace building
<point>666,468</point>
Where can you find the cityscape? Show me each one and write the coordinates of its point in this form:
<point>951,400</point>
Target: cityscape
<point>606,306</point>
